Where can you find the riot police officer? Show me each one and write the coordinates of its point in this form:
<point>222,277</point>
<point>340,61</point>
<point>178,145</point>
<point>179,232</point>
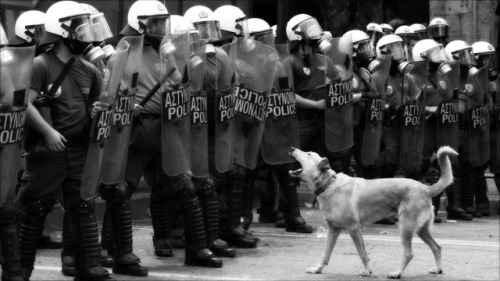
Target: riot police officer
<point>151,18</point>
<point>59,160</point>
<point>474,137</point>
<point>438,30</point>
<point>16,64</point>
<point>387,28</point>
<point>484,54</point>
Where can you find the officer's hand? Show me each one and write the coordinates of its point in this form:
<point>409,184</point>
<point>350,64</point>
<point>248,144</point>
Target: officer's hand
<point>137,109</point>
<point>356,97</point>
<point>320,104</point>
<point>98,106</point>
<point>431,109</point>
<point>55,141</point>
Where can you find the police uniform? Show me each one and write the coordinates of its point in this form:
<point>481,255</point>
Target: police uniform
<point>310,71</point>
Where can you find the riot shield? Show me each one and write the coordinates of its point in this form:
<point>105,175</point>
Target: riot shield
<point>115,159</point>
<point>372,133</point>
<point>339,130</point>
<point>101,123</point>
<point>199,114</point>
<point>412,116</point>
<point>176,102</point>
<point>447,111</point>
<point>281,130</point>
<point>479,117</point>
<point>495,93</point>
<point>255,66</point>
<point>16,65</point>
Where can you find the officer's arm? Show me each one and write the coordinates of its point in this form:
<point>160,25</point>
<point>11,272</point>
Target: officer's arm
<point>307,103</point>
<point>55,141</point>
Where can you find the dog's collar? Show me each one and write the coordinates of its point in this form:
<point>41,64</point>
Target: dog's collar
<point>323,187</point>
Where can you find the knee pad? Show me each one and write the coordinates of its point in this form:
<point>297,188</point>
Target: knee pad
<point>115,193</point>
<point>159,194</point>
<point>206,187</point>
<point>187,190</point>
<point>37,209</point>
<point>84,208</point>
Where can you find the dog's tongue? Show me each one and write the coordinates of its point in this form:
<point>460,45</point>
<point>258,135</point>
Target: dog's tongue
<point>295,172</point>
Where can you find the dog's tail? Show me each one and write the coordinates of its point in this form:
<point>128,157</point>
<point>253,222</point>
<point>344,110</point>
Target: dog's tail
<point>446,173</point>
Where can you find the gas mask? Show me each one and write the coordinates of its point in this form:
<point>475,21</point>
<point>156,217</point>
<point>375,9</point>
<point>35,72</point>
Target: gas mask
<point>364,53</point>
<point>436,56</point>
<point>101,32</point>
<point>466,60</point>
<point>398,62</point>
<point>208,30</point>
<point>488,59</point>
<point>156,28</point>
<point>312,33</point>
<point>80,37</point>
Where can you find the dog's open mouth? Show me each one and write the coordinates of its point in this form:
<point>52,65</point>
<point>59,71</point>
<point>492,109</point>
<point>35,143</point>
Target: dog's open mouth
<point>295,173</point>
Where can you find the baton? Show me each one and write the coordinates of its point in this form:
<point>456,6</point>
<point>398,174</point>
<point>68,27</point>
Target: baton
<point>156,87</point>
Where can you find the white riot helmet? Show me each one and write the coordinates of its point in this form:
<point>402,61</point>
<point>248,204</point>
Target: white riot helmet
<point>419,31</point>
<point>30,26</point>
<point>305,27</point>
<point>150,16</point>
<point>204,21</point>
<point>361,44</point>
<point>484,53</point>
<point>67,19</point>
<point>429,49</point>
<point>232,19</point>
<point>387,28</point>
<point>375,32</point>
<point>403,31</point>
<point>461,51</point>
<point>391,45</point>
<point>100,29</point>
<point>438,28</point>
<point>261,31</point>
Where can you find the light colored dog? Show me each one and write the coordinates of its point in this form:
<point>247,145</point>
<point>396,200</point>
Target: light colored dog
<point>349,203</point>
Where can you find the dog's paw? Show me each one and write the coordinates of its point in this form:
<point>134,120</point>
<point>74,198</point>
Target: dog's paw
<point>314,270</point>
<point>394,275</point>
<point>435,270</point>
<point>365,273</point>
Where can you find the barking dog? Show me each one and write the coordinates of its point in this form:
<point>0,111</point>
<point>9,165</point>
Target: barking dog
<point>349,203</point>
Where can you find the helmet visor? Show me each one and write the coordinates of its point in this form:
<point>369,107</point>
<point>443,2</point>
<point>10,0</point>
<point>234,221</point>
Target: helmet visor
<point>465,57</point>
<point>419,35</point>
<point>396,50</point>
<point>209,30</point>
<point>158,26</point>
<point>375,36</point>
<point>100,27</point>
<point>3,36</point>
<point>242,26</point>
<point>80,29</point>
<point>266,37</point>
<point>439,31</point>
<point>387,31</point>
<point>310,29</point>
<point>436,54</point>
<point>365,49</point>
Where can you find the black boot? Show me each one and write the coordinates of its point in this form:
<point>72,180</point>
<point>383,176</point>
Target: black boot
<point>84,223</point>
<point>247,198</point>
<point>469,190</point>
<point>124,260</point>
<point>107,239</point>
<point>11,266</point>
<point>209,204</point>
<point>267,211</point>
<point>454,210</point>
<point>176,223</point>
<point>197,253</point>
<point>482,201</point>
<point>231,230</point>
<point>30,231</point>
<point>69,251</point>
<point>160,220</point>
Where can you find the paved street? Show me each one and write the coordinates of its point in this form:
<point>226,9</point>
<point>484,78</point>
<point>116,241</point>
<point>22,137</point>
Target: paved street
<point>470,252</point>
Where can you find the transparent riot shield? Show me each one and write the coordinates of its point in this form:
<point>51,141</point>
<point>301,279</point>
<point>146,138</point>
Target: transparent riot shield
<point>255,66</point>
<point>339,130</point>
<point>479,117</point>
<point>495,93</point>
<point>447,111</point>
<point>199,113</point>
<point>115,159</point>
<point>16,65</point>
<point>281,130</point>
<point>412,116</point>
<point>101,124</point>
<point>176,102</point>
<point>372,134</point>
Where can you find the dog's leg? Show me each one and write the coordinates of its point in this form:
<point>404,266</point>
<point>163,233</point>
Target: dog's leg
<point>406,230</point>
<point>357,237</point>
<point>331,239</point>
<point>425,234</point>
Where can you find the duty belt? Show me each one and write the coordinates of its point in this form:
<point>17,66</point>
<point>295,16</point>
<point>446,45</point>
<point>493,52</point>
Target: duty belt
<point>76,141</point>
<point>310,114</point>
<point>150,115</point>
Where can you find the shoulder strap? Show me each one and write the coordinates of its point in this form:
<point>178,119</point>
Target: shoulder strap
<point>59,80</point>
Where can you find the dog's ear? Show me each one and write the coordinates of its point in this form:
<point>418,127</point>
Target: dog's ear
<point>324,164</point>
